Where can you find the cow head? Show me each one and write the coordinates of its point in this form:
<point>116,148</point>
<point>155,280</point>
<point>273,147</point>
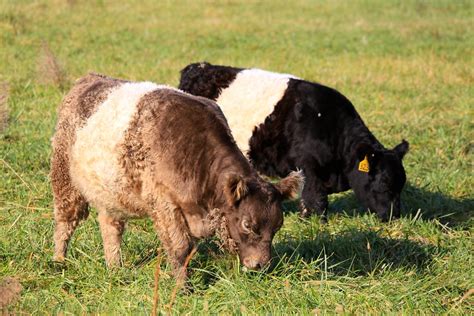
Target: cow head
<point>254,214</point>
<point>378,178</point>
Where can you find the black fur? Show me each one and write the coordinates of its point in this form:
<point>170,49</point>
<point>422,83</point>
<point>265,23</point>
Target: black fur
<point>316,129</point>
<point>206,80</point>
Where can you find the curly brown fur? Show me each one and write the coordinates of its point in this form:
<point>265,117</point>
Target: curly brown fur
<point>135,149</point>
<point>70,207</point>
<point>218,225</point>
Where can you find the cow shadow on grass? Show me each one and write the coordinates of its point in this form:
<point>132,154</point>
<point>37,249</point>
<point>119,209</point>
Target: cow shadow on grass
<point>355,253</point>
<point>416,201</point>
<point>450,211</point>
<point>351,253</point>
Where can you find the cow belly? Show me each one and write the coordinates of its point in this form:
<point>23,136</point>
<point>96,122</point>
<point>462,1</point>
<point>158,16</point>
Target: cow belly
<point>96,180</point>
<point>249,99</point>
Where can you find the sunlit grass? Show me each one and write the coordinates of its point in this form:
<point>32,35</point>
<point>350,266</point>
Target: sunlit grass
<point>406,65</point>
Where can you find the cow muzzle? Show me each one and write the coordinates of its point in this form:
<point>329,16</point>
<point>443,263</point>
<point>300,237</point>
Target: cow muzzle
<point>255,263</point>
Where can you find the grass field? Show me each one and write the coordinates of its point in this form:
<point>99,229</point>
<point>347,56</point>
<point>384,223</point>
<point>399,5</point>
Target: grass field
<point>408,66</point>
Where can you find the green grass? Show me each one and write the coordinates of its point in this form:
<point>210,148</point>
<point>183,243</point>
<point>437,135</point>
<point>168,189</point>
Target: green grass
<point>407,66</point>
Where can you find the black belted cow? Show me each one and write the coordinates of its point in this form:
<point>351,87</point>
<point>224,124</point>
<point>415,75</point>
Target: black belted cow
<point>284,123</point>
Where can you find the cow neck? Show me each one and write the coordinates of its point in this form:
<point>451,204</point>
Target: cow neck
<point>354,135</point>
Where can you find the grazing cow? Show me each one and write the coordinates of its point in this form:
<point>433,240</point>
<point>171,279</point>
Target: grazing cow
<point>136,149</point>
<point>284,123</point>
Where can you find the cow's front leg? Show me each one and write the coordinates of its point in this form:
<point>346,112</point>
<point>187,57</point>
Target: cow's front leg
<point>174,235</point>
<point>314,199</point>
<point>112,230</point>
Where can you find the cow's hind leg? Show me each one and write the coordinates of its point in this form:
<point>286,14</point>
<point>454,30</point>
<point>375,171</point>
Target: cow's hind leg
<point>68,213</point>
<point>70,207</point>
<point>111,230</point>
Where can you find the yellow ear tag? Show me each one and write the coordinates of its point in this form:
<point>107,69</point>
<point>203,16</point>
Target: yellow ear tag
<point>364,165</point>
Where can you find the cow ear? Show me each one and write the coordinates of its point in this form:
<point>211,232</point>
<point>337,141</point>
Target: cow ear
<point>298,109</point>
<point>362,150</point>
<point>236,188</point>
<point>291,186</point>
<point>401,149</point>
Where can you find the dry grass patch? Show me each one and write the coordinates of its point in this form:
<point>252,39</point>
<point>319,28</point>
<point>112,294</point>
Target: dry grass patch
<point>4,93</point>
<point>10,289</point>
<point>50,71</point>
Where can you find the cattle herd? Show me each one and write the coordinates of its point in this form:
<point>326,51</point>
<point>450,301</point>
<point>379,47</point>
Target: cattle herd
<point>195,159</point>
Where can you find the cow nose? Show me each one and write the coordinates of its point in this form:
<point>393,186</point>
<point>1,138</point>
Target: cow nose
<point>252,264</point>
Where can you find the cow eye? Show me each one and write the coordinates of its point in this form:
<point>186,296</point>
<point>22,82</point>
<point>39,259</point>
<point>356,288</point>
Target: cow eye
<point>246,226</point>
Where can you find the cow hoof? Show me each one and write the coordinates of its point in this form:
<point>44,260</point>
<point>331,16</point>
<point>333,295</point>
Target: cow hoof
<point>58,259</point>
<point>323,219</point>
<point>305,213</point>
